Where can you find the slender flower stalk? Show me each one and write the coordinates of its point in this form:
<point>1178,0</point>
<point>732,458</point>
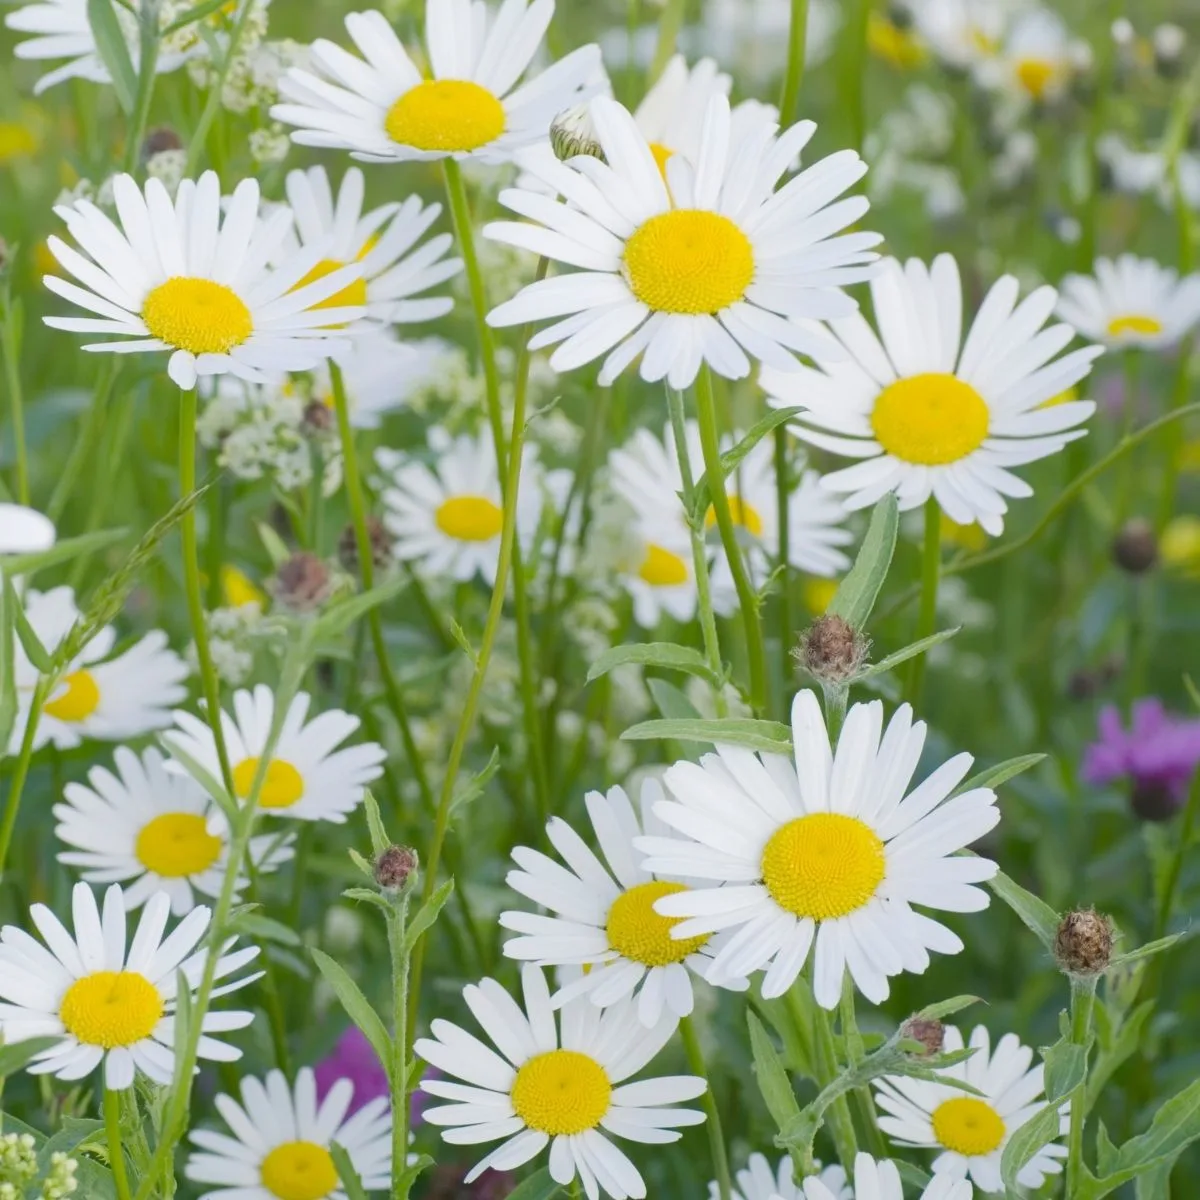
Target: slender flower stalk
<point>10,348</point>
<point>855,1050</point>
<point>116,1151</point>
<point>397,927</point>
<point>841,1124</point>
<point>1083,1003</point>
<point>12,806</point>
<point>716,1135</point>
<point>669,26</point>
<point>148,46</point>
<point>931,570</point>
<point>794,74</point>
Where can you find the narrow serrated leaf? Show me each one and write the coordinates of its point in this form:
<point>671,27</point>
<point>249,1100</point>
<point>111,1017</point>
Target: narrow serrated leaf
<point>348,1177</point>
<point>993,777</point>
<point>671,702</point>
<point>1025,1143</point>
<point>1037,915</point>
<point>772,1077</point>
<point>1148,950</point>
<point>770,737</point>
<point>337,619</point>
<point>379,835</point>
<point>113,50</point>
<point>262,928</point>
<point>39,655</point>
<point>428,914</point>
<point>858,591</point>
<point>666,656</point>
<point>734,457</point>
<point>61,552</point>
<point>947,1008</point>
<point>901,656</point>
<point>1066,1068</point>
<point>356,1005</point>
<point>469,792</point>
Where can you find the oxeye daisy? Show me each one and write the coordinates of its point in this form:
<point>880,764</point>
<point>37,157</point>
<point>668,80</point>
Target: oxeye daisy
<point>447,516</point>
<point>756,1181</point>
<point>873,1181</point>
<point>383,241</point>
<point>147,824</point>
<point>106,1002</point>
<point>971,1131</point>
<point>709,264</point>
<point>604,914</point>
<point>1037,59</point>
<point>281,1139</point>
<point>1132,302</point>
<point>964,33</point>
<point>178,276</point>
<point>24,530</point>
<point>383,110</point>
<point>826,850</point>
<point>556,1082</point>
<point>101,696</point>
<point>930,413</point>
<point>308,778</point>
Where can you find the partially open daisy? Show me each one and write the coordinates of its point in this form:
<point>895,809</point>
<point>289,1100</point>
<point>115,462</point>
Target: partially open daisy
<point>24,530</point>
<point>307,778</point>
<point>381,108</point>
<point>604,913</point>
<point>281,1139</point>
<point>563,1090</point>
<point>756,1181</point>
<point>149,825</point>
<point>1037,59</point>
<point>930,413</point>
<point>447,516</point>
<point>828,849</point>
<point>709,264</point>
<point>384,242</point>
<point>183,277</point>
<point>875,1181</point>
<point>1132,302</point>
<point>964,33</point>
<point>106,1002</point>
<point>102,697</point>
<point>971,1131</point>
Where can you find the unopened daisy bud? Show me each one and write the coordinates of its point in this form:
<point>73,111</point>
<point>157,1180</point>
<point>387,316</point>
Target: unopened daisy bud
<point>304,582</point>
<point>1169,41</point>
<point>572,133</point>
<point>1135,548</point>
<point>1084,942</point>
<point>929,1031</point>
<point>160,140</point>
<point>1155,800</point>
<point>381,546</point>
<point>396,868</point>
<point>832,650</point>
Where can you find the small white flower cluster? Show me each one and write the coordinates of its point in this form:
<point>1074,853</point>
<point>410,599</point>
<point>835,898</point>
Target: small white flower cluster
<point>169,166</point>
<point>60,1179</point>
<point>203,70</point>
<point>904,150</point>
<point>253,80</point>
<point>234,634</point>
<point>18,1164</point>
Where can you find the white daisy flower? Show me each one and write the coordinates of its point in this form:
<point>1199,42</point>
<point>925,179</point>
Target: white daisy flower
<point>827,850</point>
<point>972,1131</point>
<point>281,1139</point>
<point>178,276</point>
<point>382,109</point>
<point>964,33</point>
<point>384,242</point>
<point>1037,60</point>
<point>931,414</point>
<point>307,779</point>
<point>147,824</point>
<point>24,530</point>
<point>447,516</point>
<point>756,1181</point>
<point>558,1083</point>
<point>101,697</point>
<point>107,1003</point>
<point>872,1181</point>
<point>604,914</point>
<point>710,264</point>
<point>1132,302</point>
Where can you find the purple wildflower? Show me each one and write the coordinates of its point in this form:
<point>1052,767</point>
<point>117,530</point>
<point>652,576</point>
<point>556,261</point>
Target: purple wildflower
<point>355,1059</point>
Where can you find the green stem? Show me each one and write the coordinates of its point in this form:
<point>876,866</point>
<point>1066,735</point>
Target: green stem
<point>855,1051</point>
<point>10,346</point>
<point>86,444</point>
<point>856,72</point>
<point>783,519</point>
<point>669,25</point>
<point>1083,1001</point>
<point>397,926</point>
<point>1126,481</point>
<point>794,75</point>
<point>716,1137</point>
<point>116,1151</point>
<point>21,771</point>
<point>931,570</point>
<point>1166,903</point>
<point>747,597</point>
<point>1173,440</point>
<point>148,46</point>
<point>212,103</point>
<point>841,1124</point>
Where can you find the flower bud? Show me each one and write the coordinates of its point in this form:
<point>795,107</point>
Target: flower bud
<point>303,583</point>
<point>1135,548</point>
<point>396,868</point>
<point>929,1031</point>
<point>158,141</point>
<point>1155,800</point>
<point>572,133</point>
<point>1084,942</point>
<point>381,546</point>
<point>832,650</point>
<point>318,418</point>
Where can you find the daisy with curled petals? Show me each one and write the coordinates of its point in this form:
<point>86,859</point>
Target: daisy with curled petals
<point>106,1002</point>
<point>604,916</point>
<point>756,1181</point>
<point>24,530</point>
<point>930,413</point>
<point>98,696</point>
<point>181,276</point>
<point>149,825</point>
<point>281,1139</point>
<point>1131,303</point>
<point>384,242</point>
<point>383,110</point>
<point>877,1181</point>
<point>307,778</point>
<point>708,265</point>
<point>556,1083</point>
<point>971,1131</point>
<point>826,853</point>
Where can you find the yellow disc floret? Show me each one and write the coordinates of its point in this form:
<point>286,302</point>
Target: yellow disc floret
<point>470,518</point>
<point>561,1092</point>
<point>353,295</point>
<point>1036,75</point>
<point>177,844</point>
<point>79,701</point>
<point>451,115</point>
<point>968,1126</point>
<point>930,419</point>
<point>638,933</point>
<point>111,1008</point>
<point>824,865</point>
<point>744,514</point>
<point>689,261</point>
<point>299,1171</point>
<point>662,567</point>
<point>197,315</point>
<point>1135,323</point>
<point>282,787</point>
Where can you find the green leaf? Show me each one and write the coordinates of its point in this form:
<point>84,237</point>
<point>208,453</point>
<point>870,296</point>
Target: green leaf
<point>275,546</point>
<point>379,836</point>
<point>947,1008</point>
<point>1106,1151</point>
<point>262,928</point>
<point>113,50</point>
<point>1155,1184</point>
<point>30,642</point>
<point>857,593</point>
<point>469,792</point>
<point>1175,1126</point>
<point>1114,1055</point>
<point>665,655</point>
<point>1024,1144</point>
<point>355,1003</point>
<point>459,634</point>
<point>184,1015</point>
<point>14,1057</point>
<point>770,737</point>
<point>428,914</point>
<point>993,777</point>
<point>348,1177</point>
<point>8,676</point>
<point>911,651</point>
<point>733,458</point>
<point>203,777</point>
<point>1066,1068</point>
<point>671,702</point>
<point>772,1077</point>
<point>912,1175</point>
<point>1149,949</point>
<point>336,620</point>
<point>538,1186</point>
<point>366,896</point>
<point>61,552</point>
<point>1033,911</point>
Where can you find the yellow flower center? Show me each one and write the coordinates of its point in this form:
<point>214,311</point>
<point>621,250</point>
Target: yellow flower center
<point>930,419</point>
<point>1067,397</point>
<point>353,295</point>
<point>824,865</point>
<point>661,155</point>
<point>968,1126</point>
<point>79,701</point>
<point>282,787</point>
<point>197,315</point>
<point>445,114</point>
<point>744,514</point>
<point>689,261</point>
<point>1134,323</point>
<point>638,933</point>
<point>1036,75</point>
<point>561,1092</point>
<point>969,537</point>
<point>896,46</point>
<point>299,1171</point>
<point>662,567</point>
<point>177,844</point>
<point>111,1008</point>
<point>470,518</point>
<point>239,590</point>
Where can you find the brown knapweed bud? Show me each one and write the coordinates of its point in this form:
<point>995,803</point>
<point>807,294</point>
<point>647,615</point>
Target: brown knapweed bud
<point>929,1031</point>
<point>395,868</point>
<point>1084,942</point>
<point>832,650</point>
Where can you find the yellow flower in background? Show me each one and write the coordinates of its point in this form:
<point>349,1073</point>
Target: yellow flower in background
<point>1180,545</point>
<point>818,594</point>
<point>896,45</point>
<point>969,537</point>
<point>239,589</point>
<point>1067,397</point>
<point>1189,456</point>
<point>17,140</point>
